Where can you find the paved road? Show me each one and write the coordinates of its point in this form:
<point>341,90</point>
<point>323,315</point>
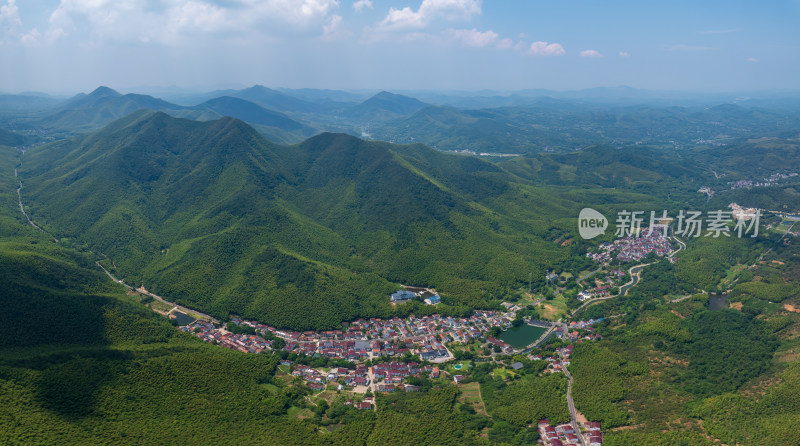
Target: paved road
<point>634,278</point>
<point>21,207</point>
<point>157,297</point>
<point>573,414</point>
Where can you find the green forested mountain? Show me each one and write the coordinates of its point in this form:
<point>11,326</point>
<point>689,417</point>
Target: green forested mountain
<point>276,126</point>
<point>214,216</point>
<point>83,363</point>
<point>275,100</point>
<point>306,236</point>
<point>98,108</point>
<point>385,105</point>
<point>251,113</point>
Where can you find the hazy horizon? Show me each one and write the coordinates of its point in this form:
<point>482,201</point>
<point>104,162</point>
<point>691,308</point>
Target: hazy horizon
<point>66,46</point>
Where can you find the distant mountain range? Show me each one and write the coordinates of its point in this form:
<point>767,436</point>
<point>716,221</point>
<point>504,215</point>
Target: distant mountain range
<point>103,105</point>
<point>526,121</point>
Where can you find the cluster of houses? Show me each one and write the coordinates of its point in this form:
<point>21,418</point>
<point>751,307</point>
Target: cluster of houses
<point>587,328</point>
<point>316,379</point>
<point>389,376</point>
<point>767,181</point>
<point>561,358</point>
<point>598,291</point>
<point>742,213</point>
<point>632,248</point>
<point>603,255</point>
<point>556,364</point>
<point>242,342</point>
<point>364,405</point>
<point>602,288</point>
<point>384,377</point>
<point>565,434</point>
<point>406,295</point>
<point>364,339</point>
<point>505,347</point>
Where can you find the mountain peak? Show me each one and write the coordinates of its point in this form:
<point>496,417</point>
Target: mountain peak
<point>104,91</point>
<point>388,104</point>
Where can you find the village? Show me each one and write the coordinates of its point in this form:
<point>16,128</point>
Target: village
<point>377,352</point>
<point>363,339</point>
<point>767,181</point>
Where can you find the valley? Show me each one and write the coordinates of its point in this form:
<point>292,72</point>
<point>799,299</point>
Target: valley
<point>278,261</point>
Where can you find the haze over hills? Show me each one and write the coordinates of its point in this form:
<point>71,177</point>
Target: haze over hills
<point>384,106</point>
<point>8,138</point>
<point>565,126</point>
<point>98,108</point>
<point>276,126</point>
<point>522,122</point>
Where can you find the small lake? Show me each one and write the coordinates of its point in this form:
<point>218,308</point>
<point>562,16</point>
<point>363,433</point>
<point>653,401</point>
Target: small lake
<point>717,302</point>
<point>182,318</point>
<point>520,337</point>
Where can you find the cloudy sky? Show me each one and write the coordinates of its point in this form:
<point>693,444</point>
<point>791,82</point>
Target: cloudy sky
<point>65,46</point>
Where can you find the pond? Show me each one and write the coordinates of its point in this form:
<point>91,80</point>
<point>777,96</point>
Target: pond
<point>182,318</point>
<point>522,336</point>
<point>717,302</point>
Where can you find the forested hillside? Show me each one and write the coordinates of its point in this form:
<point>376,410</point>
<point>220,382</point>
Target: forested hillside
<point>305,236</point>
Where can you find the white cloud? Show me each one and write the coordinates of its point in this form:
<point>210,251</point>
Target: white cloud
<point>361,4</point>
<point>9,22</point>
<point>546,49</point>
<point>752,59</point>
<point>171,21</point>
<point>9,14</point>
<point>690,48</point>
<point>333,30</point>
<point>624,54</point>
<point>429,10</point>
<point>591,53</point>
<point>472,37</point>
<point>402,18</point>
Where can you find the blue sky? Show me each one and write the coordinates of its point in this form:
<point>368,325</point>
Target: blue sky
<point>65,46</point>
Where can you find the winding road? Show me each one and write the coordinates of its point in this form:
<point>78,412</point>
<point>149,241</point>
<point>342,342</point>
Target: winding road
<point>158,298</point>
<point>140,290</point>
<point>635,272</point>
<point>573,414</point>
<point>635,277</point>
<point>19,199</point>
